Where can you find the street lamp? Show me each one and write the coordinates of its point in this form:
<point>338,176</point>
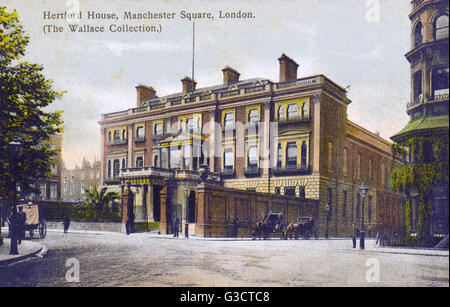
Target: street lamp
<point>363,189</point>
<point>16,152</point>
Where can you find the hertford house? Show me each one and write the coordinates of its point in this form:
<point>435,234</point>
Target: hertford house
<point>233,150</point>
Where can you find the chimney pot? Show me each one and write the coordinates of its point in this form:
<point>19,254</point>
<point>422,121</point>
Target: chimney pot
<point>144,93</point>
<point>188,84</point>
<point>288,68</point>
<point>230,75</point>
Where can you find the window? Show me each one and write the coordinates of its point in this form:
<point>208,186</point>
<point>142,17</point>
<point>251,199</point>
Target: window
<point>124,134</point>
<point>174,157</point>
<point>292,111</point>
<point>303,192</point>
<point>109,136</point>
<point>139,162</point>
<point>228,159</point>
<point>441,27</point>
<point>140,132</point>
<point>72,190</point>
<point>123,164</point>
<point>98,175</point>
<point>358,166</point>
<point>330,155</point>
<point>417,84</point>
<point>345,162</point>
<point>190,124</point>
<point>82,189</point>
<point>281,112</point>
<point>116,135</point>
<point>278,191</point>
<point>158,129</point>
<point>187,156</point>
<point>289,191</point>
<point>155,161</point>
<point>43,190</point>
<point>253,116</point>
<point>109,169</point>
<point>252,156</point>
<point>279,155</point>
<point>65,179</point>
<point>163,158</point>
<point>229,119</point>
<point>440,82</point>
<point>305,110</point>
<point>66,189</point>
<point>291,154</point>
<point>344,205</point>
<point>53,191</point>
<point>116,168</point>
<point>418,35</point>
<point>304,154</point>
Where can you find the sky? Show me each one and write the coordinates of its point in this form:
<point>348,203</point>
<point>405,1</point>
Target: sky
<point>356,43</point>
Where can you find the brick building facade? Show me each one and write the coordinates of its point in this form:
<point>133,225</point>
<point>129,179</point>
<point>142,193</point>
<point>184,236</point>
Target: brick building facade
<point>75,181</point>
<point>290,137</point>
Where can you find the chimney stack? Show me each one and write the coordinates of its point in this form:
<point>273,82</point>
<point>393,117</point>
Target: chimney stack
<point>288,68</point>
<point>188,84</point>
<point>230,75</point>
<point>144,93</point>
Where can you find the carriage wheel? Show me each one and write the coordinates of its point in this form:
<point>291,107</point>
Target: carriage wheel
<point>42,228</point>
<point>31,232</point>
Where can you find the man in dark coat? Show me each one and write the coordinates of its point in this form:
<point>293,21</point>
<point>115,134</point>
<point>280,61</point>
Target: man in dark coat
<point>66,224</point>
<point>176,226</point>
<point>235,227</point>
<point>21,220</point>
<point>354,234</point>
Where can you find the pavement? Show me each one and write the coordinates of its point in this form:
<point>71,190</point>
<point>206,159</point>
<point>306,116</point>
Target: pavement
<point>26,250</point>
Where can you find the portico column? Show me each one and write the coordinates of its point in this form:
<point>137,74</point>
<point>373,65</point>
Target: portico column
<point>266,142</point>
<point>212,140</point>
<point>130,146</point>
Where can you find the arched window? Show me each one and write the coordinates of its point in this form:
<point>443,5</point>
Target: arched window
<point>140,132</point>
<point>158,129</point>
<point>253,115</point>
<point>418,35</point>
<point>417,84</point>
<point>304,154</point>
<point>279,155</point>
<point>292,111</point>
<point>305,110</point>
<point>441,27</point>
<point>291,154</point>
<point>281,112</point>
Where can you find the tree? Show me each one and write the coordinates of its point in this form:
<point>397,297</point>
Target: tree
<point>97,205</point>
<point>25,93</point>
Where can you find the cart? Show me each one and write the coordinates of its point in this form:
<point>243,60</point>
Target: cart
<point>33,221</point>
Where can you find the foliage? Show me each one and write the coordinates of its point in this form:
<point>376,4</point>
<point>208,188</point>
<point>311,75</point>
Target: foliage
<point>428,169</point>
<point>24,94</point>
<point>97,206</point>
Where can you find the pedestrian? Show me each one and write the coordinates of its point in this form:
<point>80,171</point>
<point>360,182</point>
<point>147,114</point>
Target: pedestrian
<point>21,220</point>
<point>176,226</point>
<point>66,223</point>
<point>354,231</point>
<point>235,227</point>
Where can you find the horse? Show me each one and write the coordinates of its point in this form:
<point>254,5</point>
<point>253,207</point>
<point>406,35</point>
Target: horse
<point>292,229</point>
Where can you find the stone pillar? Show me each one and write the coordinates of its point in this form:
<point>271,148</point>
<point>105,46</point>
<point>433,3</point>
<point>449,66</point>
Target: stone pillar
<point>316,135</point>
<point>266,142</point>
<point>202,208</point>
<point>127,206</point>
<point>130,146</point>
<point>149,204</point>
<point>164,226</point>
<point>212,140</point>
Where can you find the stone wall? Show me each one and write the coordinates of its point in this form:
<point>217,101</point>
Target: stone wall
<point>218,206</point>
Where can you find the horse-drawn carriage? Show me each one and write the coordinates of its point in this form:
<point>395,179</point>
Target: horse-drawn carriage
<point>33,221</point>
<point>304,227</point>
<point>273,223</point>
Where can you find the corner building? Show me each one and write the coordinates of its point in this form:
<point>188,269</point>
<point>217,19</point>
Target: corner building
<point>290,137</point>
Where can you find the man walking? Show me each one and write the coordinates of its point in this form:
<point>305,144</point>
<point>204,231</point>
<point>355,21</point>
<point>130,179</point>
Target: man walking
<point>66,224</point>
<point>176,226</point>
<point>354,231</point>
<point>235,227</point>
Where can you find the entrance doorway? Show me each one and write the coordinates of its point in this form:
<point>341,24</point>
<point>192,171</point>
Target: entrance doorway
<point>157,203</point>
<point>191,208</point>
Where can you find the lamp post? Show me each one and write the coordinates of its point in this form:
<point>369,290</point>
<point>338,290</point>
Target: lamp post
<point>16,152</point>
<point>363,189</point>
